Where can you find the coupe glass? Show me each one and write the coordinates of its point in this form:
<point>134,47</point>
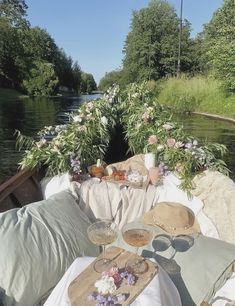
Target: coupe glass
<point>137,235</point>
<point>103,233</point>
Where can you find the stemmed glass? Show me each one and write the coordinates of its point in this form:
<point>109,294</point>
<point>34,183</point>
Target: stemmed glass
<point>103,233</point>
<point>137,235</point>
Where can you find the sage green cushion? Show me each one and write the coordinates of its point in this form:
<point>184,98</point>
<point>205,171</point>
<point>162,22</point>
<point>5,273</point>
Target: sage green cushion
<point>38,244</point>
<point>199,267</point>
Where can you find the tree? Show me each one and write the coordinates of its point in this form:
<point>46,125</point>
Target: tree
<point>220,40</point>
<point>42,80</point>
<point>151,47</point>
<point>76,77</point>
<point>14,11</point>
<point>12,26</point>
<point>88,83</point>
<point>113,77</point>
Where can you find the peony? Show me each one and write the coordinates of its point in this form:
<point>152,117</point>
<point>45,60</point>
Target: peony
<point>152,139</point>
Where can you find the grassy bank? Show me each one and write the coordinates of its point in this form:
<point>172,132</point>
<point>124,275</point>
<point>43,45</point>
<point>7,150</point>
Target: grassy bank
<point>201,94</point>
<point>10,94</point>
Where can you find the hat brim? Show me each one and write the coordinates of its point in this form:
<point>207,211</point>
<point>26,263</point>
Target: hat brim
<point>148,218</point>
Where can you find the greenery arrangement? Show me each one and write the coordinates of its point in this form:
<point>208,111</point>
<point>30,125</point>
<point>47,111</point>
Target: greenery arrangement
<point>148,127</point>
<point>75,146</point>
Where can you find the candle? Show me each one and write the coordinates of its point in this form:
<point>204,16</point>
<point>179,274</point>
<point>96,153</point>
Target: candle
<point>149,160</point>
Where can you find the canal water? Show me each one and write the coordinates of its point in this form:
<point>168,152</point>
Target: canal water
<point>30,115</point>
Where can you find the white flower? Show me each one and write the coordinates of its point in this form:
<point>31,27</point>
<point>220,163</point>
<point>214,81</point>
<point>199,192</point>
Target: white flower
<point>89,106</point>
<point>105,285</point>
<point>179,144</point>
<point>195,143</point>
<point>167,126</point>
<point>77,119</point>
<point>135,95</point>
<point>104,120</point>
<point>160,148</point>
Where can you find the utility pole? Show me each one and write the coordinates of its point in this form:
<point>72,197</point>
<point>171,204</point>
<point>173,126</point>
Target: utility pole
<point>180,36</point>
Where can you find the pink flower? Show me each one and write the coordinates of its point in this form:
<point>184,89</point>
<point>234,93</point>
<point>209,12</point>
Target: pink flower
<point>113,272</point>
<point>170,142</point>
<point>152,139</point>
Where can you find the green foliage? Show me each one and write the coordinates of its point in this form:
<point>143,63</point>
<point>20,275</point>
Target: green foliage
<point>151,47</point>
<point>88,83</point>
<point>21,46</point>
<point>109,79</point>
<point>220,37</point>
<point>84,139</point>
<point>149,128</point>
<point>42,80</point>
<point>199,93</point>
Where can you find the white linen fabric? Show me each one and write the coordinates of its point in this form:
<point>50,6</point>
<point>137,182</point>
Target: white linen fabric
<point>160,292</point>
<point>100,199</point>
<point>217,192</point>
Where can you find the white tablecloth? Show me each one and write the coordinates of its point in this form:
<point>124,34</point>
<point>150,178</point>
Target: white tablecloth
<point>160,292</point>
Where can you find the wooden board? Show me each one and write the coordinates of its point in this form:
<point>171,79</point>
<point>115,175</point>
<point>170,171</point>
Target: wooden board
<point>83,285</point>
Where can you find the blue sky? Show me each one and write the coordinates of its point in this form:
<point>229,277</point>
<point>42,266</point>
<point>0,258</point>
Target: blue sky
<point>93,32</point>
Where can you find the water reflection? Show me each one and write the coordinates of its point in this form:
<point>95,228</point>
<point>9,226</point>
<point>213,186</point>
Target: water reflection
<point>212,130</point>
<point>29,116</point>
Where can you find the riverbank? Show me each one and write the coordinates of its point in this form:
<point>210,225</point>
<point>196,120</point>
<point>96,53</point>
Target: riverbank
<point>198,94</point>
<point>10,94</point>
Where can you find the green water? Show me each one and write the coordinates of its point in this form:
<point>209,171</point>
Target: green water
<point>29,116</point>
<point>213,130</point>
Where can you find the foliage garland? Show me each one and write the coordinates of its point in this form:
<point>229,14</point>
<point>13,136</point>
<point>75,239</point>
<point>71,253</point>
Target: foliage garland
<point>148,128</point>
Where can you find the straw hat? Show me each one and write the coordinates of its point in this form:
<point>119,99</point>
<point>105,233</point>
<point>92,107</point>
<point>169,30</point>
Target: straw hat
<point>173,218</point>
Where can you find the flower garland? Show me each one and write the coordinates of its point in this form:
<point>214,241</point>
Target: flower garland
<point>106,286</point>
<point>148,127</point>
<point>76,145</point>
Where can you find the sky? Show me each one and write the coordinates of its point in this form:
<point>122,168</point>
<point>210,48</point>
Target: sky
<point>93,32</point>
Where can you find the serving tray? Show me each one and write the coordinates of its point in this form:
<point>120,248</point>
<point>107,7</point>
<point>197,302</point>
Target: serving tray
<point>83,285</point>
